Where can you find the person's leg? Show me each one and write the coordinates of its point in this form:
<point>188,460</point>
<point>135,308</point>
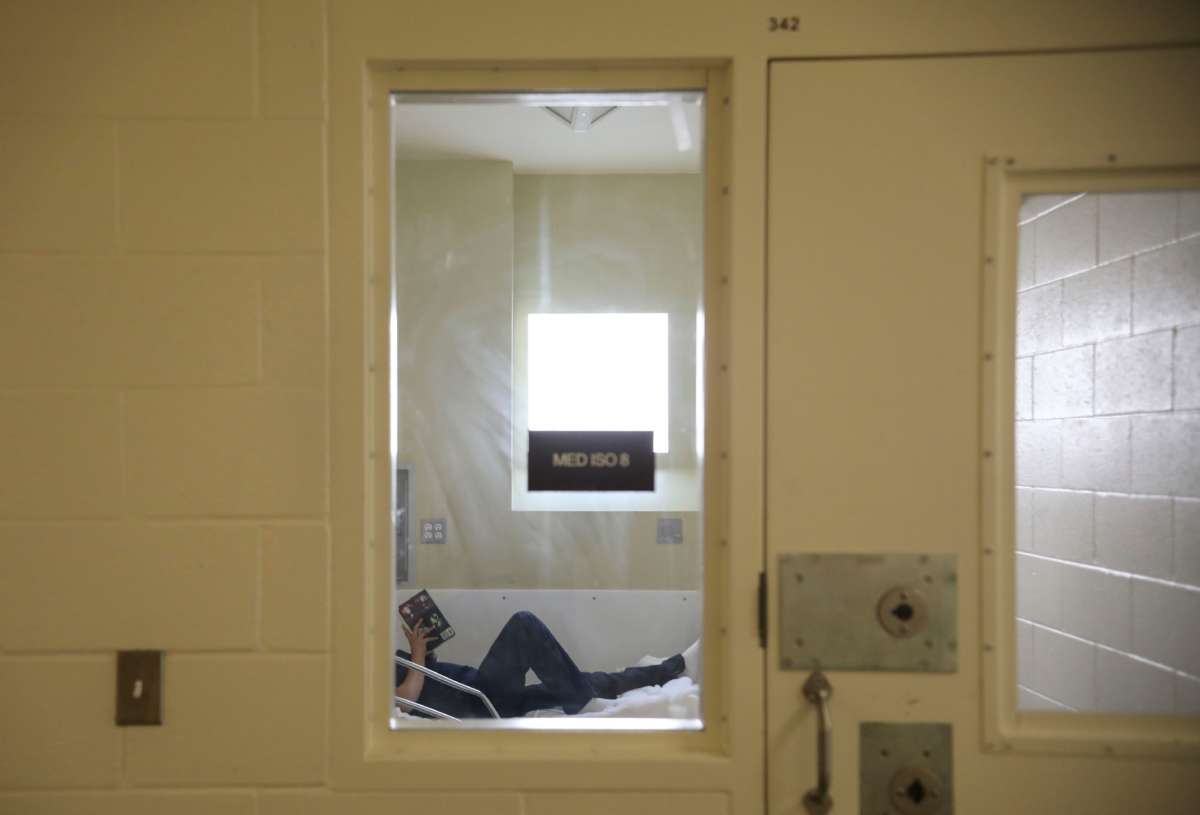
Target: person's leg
<point>524,644</point>
<point>610,685</point>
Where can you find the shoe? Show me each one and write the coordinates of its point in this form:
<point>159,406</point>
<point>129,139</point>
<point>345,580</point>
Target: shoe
<point>693,662</point>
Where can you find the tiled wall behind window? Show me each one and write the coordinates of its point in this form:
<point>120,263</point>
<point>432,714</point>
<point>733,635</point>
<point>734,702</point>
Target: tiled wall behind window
<point>1108,453</point>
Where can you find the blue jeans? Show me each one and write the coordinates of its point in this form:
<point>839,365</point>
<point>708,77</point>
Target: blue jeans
<point>525,644</point>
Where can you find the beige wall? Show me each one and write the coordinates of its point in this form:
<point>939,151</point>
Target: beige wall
<point>171,186</point>
<point>476,246</point>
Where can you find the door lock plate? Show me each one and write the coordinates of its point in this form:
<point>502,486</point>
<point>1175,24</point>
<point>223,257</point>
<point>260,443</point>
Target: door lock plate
<point>906,769</point>
<point>868,612</point>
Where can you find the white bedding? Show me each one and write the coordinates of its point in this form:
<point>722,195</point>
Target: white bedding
<point>678,699</point>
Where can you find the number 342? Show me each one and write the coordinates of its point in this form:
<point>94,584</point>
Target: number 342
<point>783,24</point>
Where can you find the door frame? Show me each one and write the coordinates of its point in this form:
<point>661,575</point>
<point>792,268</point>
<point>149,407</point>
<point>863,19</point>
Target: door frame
<point>727,755</point>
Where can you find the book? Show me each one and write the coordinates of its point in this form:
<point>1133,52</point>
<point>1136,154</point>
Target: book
<point>421,610</point>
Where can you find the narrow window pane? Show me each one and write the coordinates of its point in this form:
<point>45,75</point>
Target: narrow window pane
<point>548,406</point>
<point>1108,453</point>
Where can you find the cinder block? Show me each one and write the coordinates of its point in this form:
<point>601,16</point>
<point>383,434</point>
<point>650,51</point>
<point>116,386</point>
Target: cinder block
<point>188,321</point>
<point>226,452</point>
<point>235,721</point>
<point>1062,383</point>
<point>129,803</point>
<point>187,59</point>
<point>141,320</point>
<point>62,456</point>
<point>294,333</point>
<point>1133,534</point>
<point>109,587</point>
<point>1066,241</point>
<point>1164,625</point>
<point>645,803</point>
<point>57,185</point>
<point>1187,696</point>
<point>1024,519</point>
<point>1039,590</point>
<point>213,186</point>
<point>295,588</point>
<point>1024,388</point>
<point>1186,535</point>
<point>1026,254</point>
<point>57,720</point>
<point>1039,454</point>
<point>1134,374</point>
<point>58,57</point>
<point>1034,206</point>
<point>1166,287</point>
<point>1125,685</point>
<point>1062,524</point>
<point>1039,320</point>
<point>1096,606</point>
<point>1166,454</point>
<point>1189,213</point>
<point>291,36</point>
<point>1132,222</point>
<point>1187,368</point>
<point>327,803</point>
<point>75,295</point>
<point>1096,454</point>
<point>1065,669</point>
<point>145,320</point>
<point>1025,675</point>
<point>1097,304</point>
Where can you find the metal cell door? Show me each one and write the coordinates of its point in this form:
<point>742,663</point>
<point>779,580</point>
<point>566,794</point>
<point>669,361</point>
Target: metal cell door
<point>892,234</point>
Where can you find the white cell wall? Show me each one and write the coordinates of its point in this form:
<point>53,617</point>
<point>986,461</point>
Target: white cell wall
<point>1108,453</point>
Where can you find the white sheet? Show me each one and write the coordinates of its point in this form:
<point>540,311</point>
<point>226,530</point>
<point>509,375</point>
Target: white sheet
<point>678,699</point>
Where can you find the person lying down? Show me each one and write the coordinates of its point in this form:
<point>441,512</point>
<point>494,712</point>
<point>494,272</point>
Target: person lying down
<point>526,644</point>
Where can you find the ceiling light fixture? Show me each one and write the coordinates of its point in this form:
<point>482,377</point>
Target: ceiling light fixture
<point>579,119</point>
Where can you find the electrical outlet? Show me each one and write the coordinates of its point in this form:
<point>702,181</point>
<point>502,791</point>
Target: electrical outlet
<point>433,530</point>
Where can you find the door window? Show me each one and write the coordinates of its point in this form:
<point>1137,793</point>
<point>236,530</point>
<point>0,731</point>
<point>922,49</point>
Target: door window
<point>1108,452</point>
<point>547,408</point>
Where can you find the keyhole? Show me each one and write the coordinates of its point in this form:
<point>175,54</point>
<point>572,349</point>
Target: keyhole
<point>903,612</point>
<point>915,791</point>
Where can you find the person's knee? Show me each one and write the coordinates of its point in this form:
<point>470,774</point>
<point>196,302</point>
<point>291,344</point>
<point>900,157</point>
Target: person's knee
<point>525,621</point>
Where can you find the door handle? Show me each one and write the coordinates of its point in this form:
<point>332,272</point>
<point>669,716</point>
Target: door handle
<point>818,691</point>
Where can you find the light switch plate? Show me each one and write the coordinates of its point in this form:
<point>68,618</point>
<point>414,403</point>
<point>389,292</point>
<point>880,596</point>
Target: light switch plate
<point>139,687</point>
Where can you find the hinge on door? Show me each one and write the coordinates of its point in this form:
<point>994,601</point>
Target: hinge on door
<point>762,609</point>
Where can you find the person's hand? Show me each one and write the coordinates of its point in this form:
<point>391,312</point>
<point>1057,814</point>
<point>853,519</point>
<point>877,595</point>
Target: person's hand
<point>418,641</point>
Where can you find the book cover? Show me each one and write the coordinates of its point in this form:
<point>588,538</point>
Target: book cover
<point>420,609</point>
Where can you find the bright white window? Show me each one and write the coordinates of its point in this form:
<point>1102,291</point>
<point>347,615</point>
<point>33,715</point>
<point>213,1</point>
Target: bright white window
<point>599,372</point>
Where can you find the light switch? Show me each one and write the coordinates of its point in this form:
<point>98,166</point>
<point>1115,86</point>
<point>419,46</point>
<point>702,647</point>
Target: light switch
<point>139,687</point>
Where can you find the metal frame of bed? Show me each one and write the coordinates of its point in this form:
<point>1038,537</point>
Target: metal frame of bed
<point>445,680</point>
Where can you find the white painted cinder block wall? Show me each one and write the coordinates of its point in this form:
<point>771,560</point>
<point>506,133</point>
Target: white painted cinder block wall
<point>1108,453</point>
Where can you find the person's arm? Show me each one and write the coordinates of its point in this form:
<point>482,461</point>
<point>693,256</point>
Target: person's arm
<point>414,681</point>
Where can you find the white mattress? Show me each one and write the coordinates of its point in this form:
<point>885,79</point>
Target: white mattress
<point>678,699</point>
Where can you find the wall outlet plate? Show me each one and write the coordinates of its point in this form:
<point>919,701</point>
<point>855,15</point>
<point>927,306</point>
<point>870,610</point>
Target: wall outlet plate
<point>433,530</point>
<point>670,530</point>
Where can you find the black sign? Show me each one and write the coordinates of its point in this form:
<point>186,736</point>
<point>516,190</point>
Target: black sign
<point>591,460</point>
